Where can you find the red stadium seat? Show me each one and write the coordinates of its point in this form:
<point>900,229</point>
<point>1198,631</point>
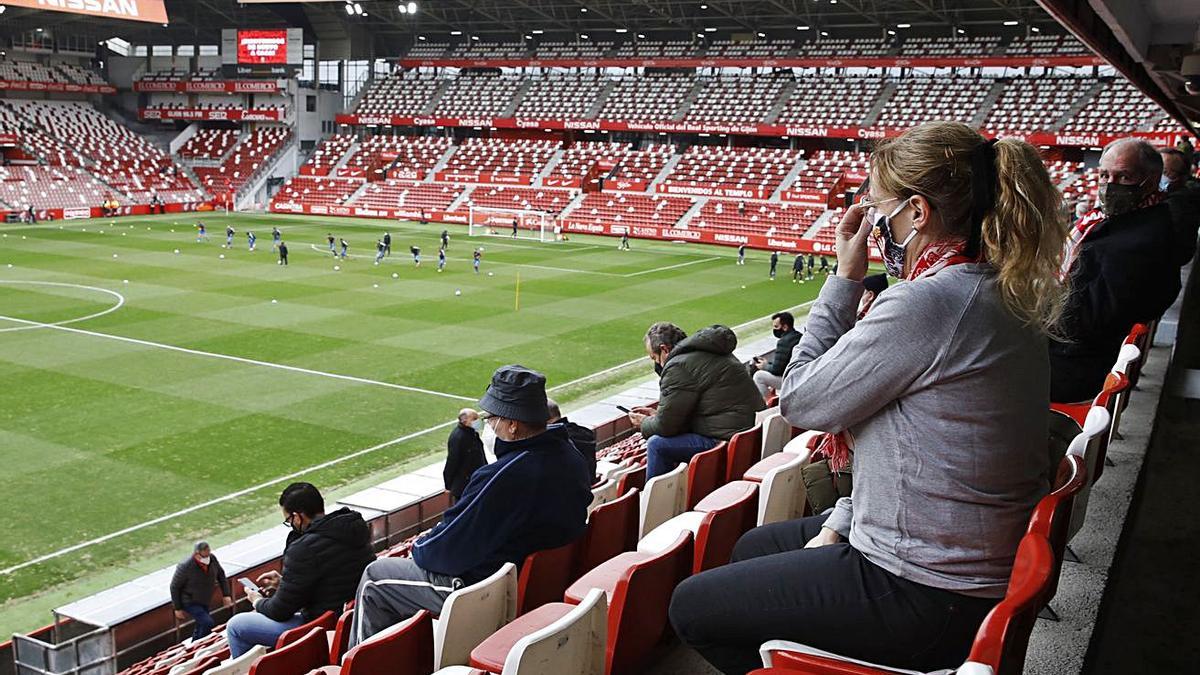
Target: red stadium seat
<point>706,471</point>
<point>612,529</point>
<point>300,656</point>
<point>340,638</point>
<point>1000,643</point>
<point>327,621</point>
<point>545,575</point>
<point>717,523</point>
<point>744,450</point>
<point>1052,516</point>
<point>403,649</point>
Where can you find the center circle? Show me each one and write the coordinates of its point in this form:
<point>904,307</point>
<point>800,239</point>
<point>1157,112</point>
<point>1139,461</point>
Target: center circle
<point>119,301</point>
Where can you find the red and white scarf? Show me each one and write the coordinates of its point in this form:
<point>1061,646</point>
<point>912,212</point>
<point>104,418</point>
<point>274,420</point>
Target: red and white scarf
<point>1084,226</point>
<point>939,255</point>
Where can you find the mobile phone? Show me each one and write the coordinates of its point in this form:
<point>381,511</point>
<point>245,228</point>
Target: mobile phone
<point>248,585</point>
<point>622,408</point>
<point>860,193</point>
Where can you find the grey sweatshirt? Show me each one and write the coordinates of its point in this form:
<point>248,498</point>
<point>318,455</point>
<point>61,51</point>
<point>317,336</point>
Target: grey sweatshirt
<point>946,396</point>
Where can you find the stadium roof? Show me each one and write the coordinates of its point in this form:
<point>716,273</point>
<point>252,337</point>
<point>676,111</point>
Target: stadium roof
<point>510,20</point>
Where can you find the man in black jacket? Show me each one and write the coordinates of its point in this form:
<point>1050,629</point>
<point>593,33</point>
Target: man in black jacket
<point>533,497</point>
<point>324,556</point>
<point>1119,264</point>
<point>770,373</point>
<point>583,438</point>
<point>464,453</point>
<point>192,588</point>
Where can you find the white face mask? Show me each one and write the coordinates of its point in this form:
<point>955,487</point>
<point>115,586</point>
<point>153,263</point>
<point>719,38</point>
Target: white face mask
<point>489,440</point>
<point>205,560</point>
<point>1164,184</point>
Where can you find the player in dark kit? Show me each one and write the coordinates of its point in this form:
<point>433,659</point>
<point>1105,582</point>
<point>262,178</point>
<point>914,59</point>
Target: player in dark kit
<point>798,269</point>
<point>514,235</point>
<point>332,244</point>
<point>774,263</point>
<point>345,247</point>
<point>387,243</point>
<point>476,258</point>
<point>282,253</point>
<point>416,254</point>
<point>445,239</point>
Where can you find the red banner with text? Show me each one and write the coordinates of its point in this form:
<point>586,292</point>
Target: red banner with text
<point>57,87</point>
<point>229,115</point>
<point>210,86</point>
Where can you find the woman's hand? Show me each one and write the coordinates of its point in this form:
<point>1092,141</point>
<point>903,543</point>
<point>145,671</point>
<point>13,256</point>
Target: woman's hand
<point>825,537</point>
<point>852,234</point>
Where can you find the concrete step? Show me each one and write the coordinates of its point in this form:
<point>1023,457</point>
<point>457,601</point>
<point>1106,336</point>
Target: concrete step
<point>780,103</point>
<point>1078,105</point>
<point>602,98</point>
<point>885,95</point>
<point>986,106</point>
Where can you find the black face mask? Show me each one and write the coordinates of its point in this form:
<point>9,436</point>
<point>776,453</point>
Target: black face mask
<point>658,368</point>
<point>779,332</point>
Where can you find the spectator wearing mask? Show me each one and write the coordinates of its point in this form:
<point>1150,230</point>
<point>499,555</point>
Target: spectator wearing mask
<point>705,395</point>
<point>192,588</point>
<point>464,453</point>
<point>322,560</point>
<point>1183,199</point>
<point>583,438</point>
<point>941,393</point>
<point>769,374</point>
<point>873,285</point>
<point>1120,266</point>
<point>533,497</point>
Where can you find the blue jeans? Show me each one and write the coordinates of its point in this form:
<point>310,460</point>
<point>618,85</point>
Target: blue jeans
<point>251,628</point>
<point>204,620</point>
<point>664,453</point>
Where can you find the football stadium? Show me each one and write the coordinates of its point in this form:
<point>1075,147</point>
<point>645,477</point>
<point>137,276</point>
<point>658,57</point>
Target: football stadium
<point>597,337</point>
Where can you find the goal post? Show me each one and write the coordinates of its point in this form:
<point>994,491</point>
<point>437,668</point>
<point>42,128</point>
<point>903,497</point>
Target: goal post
<point>531,225</point>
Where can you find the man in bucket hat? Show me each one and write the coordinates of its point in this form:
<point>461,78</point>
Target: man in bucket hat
<point>533,497</point>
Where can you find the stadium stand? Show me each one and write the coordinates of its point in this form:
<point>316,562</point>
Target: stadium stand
<point>559,96</point>
<point>521,198</point>
<point>210,144</point>
<point>400,194</point>
<point>1028,105</point>
<point>327,155</point>
<point>401,93</point>
<point>405,157</point>
<point>477,95</point>
<point>629,209</point>
<point>483,159</point>
<point>921,99</point>
<point>756,172</point>
<point>316,190</point>
<point>655,96</point>
<point>49,187</point>
<point>240,165</point>
<point>736,98</point>
<point>1118,108</point>
<point>831,101</point>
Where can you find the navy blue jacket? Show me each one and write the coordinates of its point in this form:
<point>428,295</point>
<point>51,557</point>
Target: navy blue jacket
<point>533,497</point>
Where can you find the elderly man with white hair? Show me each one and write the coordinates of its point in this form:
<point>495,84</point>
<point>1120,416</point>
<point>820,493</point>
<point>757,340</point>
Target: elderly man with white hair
<point>1118,263</point>
<point>464,452</point>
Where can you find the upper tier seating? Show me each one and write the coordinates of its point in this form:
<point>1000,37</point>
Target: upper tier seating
<point>30,71</point>
<point>1118,108</point>
<point>548,51</point>
<point>561,97</point>
<point>409,157</point>
<point>750,49</point>
<point>245,160</point>
<point>478,95</point>
<point>79,74</point>
<point>209,144</point>
<point>825,48</point>
<point>630,209</point>
<point>736,99</point>
<point>1028,105</point>
<point>121,158</point>
<point>918,100</point>
<point>521,198</point>
<point>405,93</point>
<point>327,154</point>
<point>1041,44</point>
<point>831,101</point>
<point>487,155</point>
<point>490,50</point>
<point>655,49</point>
<point>429,50</point>
<point>743,168</point>
<point>397,194</point>
<point>653,97</point>
<point>947,47</point>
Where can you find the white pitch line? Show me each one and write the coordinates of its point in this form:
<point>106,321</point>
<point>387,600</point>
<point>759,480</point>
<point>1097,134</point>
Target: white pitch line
<point>120,302</point>
<point>239,359</point>
<point>218,500</point>
<point>671,267</point>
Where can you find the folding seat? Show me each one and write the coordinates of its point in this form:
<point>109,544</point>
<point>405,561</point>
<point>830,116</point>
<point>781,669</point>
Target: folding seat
<point>240,665</point>
<point>403,649</point>
<point>1000,643</point>
<point>664,498</point>
<point>299,656</point>
<point>1086,446</point>
<point>744,447</point>
<point>705,472</point>
<point>718,521</point>
<point>471,614</point>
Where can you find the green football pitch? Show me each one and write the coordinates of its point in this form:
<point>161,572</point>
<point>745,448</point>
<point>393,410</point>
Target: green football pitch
<point>155,389</point>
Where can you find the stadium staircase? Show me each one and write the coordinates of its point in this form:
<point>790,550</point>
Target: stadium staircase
<point>821,221</point>
<point>789,178</point>
<point>885,95</point>
<point>667,169</point>
<point>685,220</point>
<point>345,157</point>
<point>510,109</point>
<point>358,192</point>
<point>441,164</point>
<point>689,100</point>
<point>985,106</point>
<point>245,198</point>
<point>572,205</point>
<point>601,98</point>
<point>434,100</point>
<point>780,103</point>
<point>1078,106</point>
<point>548,168</point>
<point>462,198</point>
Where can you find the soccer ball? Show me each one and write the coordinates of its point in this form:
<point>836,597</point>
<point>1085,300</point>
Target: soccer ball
<point>114,255</point>
<point>457,292</point>
<point>222,256</point>
<point>395,276</point>
<point>124,281</point>
<point>374,285</point>
<point>176,251</point>
<point>490,274</point>
<point>337,268</point>
<point>274,301</point>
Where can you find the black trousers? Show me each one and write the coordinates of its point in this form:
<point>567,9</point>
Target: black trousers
<point>830,597</point>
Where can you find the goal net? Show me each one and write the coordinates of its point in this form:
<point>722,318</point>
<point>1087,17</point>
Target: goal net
<point>534,225</point>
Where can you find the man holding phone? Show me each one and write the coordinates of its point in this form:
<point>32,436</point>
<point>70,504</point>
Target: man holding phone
<point>324,556</point>
<point>769,374</point>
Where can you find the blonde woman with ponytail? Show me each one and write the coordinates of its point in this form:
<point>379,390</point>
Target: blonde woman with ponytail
<point>939,394</point>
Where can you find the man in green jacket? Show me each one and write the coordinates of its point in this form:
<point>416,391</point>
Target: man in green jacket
<point>705,395</point>
<point>770,373</point>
